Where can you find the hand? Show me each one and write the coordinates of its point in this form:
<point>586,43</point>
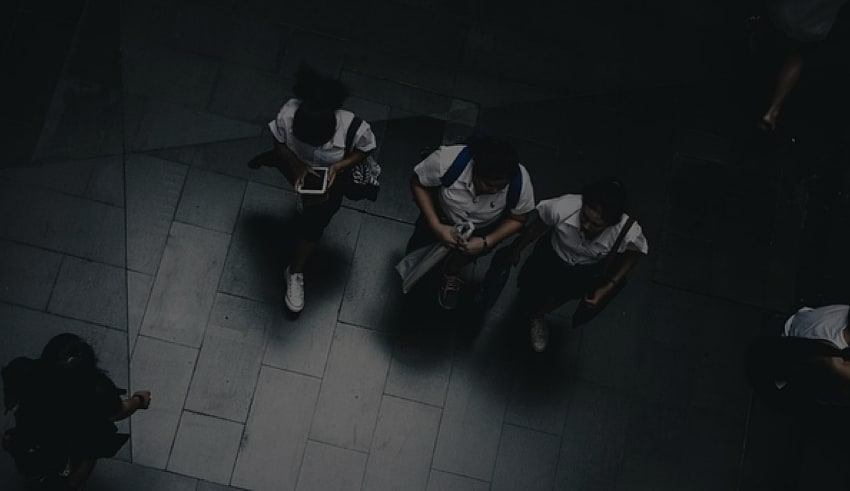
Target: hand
<point>332,172</point>
<point>597,296</point>
<point>145,395</point>
<point>446,234</point>
<point>300,174</point>
<point>473,246</point>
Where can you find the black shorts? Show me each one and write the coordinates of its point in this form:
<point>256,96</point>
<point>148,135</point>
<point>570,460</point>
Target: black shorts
<point>313,219</point>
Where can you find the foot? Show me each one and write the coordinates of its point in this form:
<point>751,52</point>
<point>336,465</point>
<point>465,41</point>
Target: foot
<point>767,123</point>
<point>294,298</point>
<point>449,294</point>
<point>539,335</point>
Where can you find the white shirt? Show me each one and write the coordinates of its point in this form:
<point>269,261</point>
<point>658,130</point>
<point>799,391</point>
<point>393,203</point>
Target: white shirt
<point>332,151</point>
<point>569,242</point>
<point>824,323</point>
<point>459,201</point>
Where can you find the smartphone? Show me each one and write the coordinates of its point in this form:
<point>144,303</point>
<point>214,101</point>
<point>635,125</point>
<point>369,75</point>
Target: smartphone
<point>315,183</point>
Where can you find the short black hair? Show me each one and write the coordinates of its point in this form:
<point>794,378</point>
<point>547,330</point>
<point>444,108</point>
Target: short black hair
<point>314,122</point>
<point>494,158</point>
<point>608,197</point>
<point>69,351</point>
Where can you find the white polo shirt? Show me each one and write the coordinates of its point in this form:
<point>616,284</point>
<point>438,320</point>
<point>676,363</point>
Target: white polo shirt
<point>459,201</point>
<point>569,242</point>
<point>824,323</point>
<point>331,152</point>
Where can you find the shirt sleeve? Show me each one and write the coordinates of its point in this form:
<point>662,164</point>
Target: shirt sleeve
<point>635,240</point>
<point>526,195</point>
<point>282,124</point>
<point>555,210</point>
<point>364,139</point>
<point>430,170</point>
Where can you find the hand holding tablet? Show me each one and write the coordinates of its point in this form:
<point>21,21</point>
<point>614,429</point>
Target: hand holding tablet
<point>315,182</point>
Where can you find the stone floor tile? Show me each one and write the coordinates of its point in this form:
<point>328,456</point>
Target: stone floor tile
<point>248,95</point>
<point>205,447</point>
<point>152,125</point>
<point>27,274</point>
<point>166,370</point>
<point>273,446</point>
<point>153,191</point>
<point>348,404</point>
<point>89,291</point>
<point>114,474</point>
<point>469,434</point>
<point>210,200</point>
<point>229,361</point>
<point>527,459</point>
<point>444,481</point>
<point>169,75</point>
<point>106,182</point>
<point>62,223</point>
<point>185,285</point>
<point>373,272</point>
<point>327,467</point>
<point>402,446</point>
<point>139,287</point>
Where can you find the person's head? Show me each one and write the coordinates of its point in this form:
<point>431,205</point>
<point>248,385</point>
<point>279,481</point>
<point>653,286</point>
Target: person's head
<point>495,163</point>
<point>68,352</point>
<point>603,205</point>
<point>314,122</point>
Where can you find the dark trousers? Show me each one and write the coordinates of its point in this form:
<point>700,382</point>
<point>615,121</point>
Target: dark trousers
<point>545,275</point>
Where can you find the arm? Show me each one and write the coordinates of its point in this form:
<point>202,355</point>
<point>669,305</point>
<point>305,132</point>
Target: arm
<point>425,202</point>
<point>627,261</point>
<point>296,166</point>
<point>508,226</point>
<point>140,400</point>
<point>355,157</point>
<point>530,234</point>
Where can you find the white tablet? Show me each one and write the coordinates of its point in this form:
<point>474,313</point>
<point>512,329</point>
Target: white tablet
<point>315,183</point>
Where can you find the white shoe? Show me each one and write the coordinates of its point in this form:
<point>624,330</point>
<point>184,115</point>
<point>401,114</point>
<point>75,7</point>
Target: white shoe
<point>539,335</point>
<point>294,298</point>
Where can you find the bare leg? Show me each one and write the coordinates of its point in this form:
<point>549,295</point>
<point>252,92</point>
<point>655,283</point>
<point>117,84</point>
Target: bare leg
<point>303,252</point>
<point>789,75</point>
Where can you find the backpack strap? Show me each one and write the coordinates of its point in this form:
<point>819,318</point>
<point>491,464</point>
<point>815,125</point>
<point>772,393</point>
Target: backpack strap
<point>457,167</point>
<point>514,190</point>
<point>355,125</point>
<point>462,160</point>
<point>609,259</point>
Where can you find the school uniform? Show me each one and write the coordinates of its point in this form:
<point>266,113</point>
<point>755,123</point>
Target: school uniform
<point>567,258</point>
<point>824,323</point>
<point>458,203</point>
<point>315,218</point>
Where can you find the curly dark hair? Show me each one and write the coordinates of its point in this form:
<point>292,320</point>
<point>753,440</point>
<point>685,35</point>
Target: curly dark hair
<point>315,122</point>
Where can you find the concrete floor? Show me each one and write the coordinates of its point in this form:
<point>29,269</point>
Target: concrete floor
<point>128,215</point>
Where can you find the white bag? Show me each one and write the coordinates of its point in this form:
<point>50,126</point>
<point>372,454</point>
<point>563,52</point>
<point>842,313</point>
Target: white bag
<point>415,265</point>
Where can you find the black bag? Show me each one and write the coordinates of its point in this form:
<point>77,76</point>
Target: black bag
<point>361,180</point>
<point>584,313</point>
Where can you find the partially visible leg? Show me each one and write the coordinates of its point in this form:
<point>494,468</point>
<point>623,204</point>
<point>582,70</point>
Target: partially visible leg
<point>80,474</point>
<point>311,225</point>
<point>786,80</point>
<point>451,284</point>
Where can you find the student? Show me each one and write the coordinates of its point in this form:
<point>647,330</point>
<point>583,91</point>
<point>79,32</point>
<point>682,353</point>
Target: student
<point>809,364</point>
<point>310,131</point>
<point>802,25</point>
<point>582,229</point>
<point>65,409</point>
<point>482,183</point>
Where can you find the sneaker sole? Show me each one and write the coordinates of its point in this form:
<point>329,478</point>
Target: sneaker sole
<point>291,307</point>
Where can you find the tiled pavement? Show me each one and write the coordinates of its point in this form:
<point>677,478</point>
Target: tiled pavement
<point>137,224</point>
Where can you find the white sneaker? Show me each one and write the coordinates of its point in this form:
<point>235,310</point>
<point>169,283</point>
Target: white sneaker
<point>539,335</point>
<point>294,297</point>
